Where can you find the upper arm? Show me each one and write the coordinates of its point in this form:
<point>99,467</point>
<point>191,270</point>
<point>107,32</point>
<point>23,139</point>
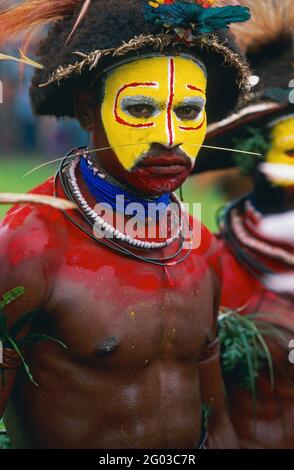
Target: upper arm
<point>22,261</point>
<point>220,431</point>
<point>21,265</point>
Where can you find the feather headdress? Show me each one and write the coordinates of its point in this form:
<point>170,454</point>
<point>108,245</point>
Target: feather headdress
<point>271,21</point>
<point>31,15</point>
<point>195,16</point>
<point>85,35</point>
<point>268,42</point>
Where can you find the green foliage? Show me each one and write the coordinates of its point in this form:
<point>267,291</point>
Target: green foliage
<point>10,296</point>
<point>244,352</point>
<point>206,411</point>
<point>4,441</point>
<point>255,140</point>
<point>8,336</point>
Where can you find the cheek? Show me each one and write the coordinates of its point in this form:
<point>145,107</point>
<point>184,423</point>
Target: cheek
<point>128,143</point>
<point>280,157</point>
<point>193,137</point>
<point>276,155</point>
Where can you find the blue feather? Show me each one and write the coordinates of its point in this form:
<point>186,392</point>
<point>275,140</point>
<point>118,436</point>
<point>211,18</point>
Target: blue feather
<point>203,20</point>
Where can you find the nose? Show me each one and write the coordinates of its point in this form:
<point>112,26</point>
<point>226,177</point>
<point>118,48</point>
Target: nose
<point>160,148</point>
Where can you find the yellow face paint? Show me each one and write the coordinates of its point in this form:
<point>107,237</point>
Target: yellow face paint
<point>282,148</point>
<point>155,100</point>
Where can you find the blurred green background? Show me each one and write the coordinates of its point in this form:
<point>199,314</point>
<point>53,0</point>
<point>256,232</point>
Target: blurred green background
<point>12,171</point>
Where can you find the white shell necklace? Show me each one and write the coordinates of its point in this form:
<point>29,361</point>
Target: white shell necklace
<point>101,224</point>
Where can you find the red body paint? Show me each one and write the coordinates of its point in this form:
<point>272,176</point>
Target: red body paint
<point>272,426</point>
<point>87,294</point>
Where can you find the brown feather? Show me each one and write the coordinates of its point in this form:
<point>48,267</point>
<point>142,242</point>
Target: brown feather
<point>83,12</point>
<point>23,18</point>
<point>271,21</point>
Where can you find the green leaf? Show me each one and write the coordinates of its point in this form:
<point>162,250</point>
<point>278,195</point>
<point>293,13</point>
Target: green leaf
<point>37,338</point>
<point>4,441</point>
<point>3,325</point>
<point>244,351</point>
<point>25,365</point>
<point>22,323</point>
<point>206,412</point>
<point>11,295</point>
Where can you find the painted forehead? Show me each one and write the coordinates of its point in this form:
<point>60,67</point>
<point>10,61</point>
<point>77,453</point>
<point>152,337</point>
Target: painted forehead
<point>148,73</point>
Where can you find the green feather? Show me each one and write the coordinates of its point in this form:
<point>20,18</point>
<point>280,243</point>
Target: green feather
<point>191,16</point>
<point>255,140</point>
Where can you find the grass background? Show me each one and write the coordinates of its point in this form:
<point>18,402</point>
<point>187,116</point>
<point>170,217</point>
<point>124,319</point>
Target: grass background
<point>12,171</point>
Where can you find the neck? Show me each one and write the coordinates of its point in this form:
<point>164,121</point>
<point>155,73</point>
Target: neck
<point>105,189</point>
<point>129,234</point>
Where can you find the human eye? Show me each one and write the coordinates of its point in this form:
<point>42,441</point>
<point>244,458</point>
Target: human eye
<point>188,112</point>
<point>140,110</point>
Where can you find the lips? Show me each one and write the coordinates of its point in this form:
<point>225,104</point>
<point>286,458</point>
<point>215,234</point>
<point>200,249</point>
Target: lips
<point>165,165</point>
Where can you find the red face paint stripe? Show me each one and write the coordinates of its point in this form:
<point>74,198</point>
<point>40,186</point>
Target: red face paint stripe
<point>193,128</point>
<point>194,88</point>
<point>170,101</point>
<point>123,88</point>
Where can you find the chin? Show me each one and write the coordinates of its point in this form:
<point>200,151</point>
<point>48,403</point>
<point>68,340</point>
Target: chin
<point>157,185</point>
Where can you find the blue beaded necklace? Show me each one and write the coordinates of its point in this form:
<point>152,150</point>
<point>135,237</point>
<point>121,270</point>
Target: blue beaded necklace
<point>106,192</point>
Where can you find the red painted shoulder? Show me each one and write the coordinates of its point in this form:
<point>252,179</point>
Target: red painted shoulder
<point>239,286</point>
<point>29,230</point>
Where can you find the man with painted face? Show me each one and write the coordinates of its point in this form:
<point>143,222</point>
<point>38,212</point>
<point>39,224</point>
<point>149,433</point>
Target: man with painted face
<point>162,114</point>
<point>136,313</point>
<point>249,255</point>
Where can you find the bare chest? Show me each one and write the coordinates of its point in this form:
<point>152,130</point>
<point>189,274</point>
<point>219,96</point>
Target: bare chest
<point>113,310</point>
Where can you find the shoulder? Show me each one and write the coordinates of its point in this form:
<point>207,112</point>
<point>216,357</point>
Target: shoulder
<point>31,243</point>
<point>239,286</point>
<point>31,236</point>
<point>29,229</point>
